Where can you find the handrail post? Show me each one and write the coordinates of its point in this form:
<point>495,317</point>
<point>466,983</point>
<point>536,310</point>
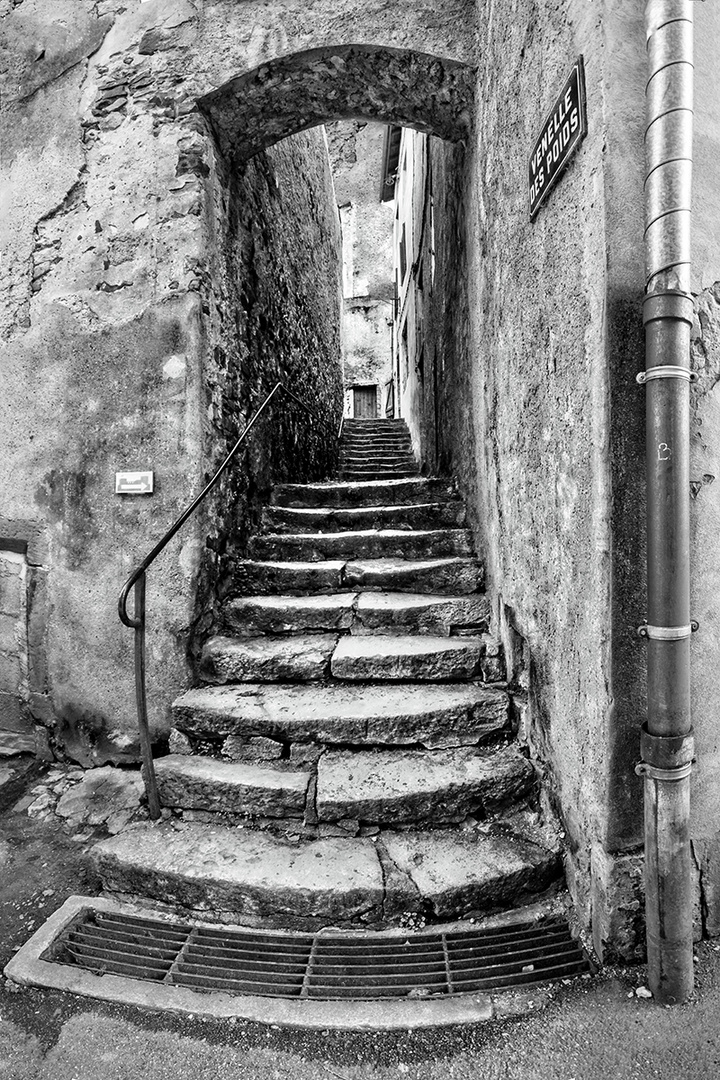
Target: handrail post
<point>145,744</point>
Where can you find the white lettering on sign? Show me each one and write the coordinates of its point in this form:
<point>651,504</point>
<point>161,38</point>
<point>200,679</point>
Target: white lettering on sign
<point>134,483</point>
<point>562,132</point>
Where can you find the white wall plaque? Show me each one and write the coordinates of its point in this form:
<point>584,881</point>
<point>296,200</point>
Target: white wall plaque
<point>134,483</point>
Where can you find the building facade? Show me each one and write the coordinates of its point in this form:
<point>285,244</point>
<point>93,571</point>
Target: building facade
<point>152,293</point>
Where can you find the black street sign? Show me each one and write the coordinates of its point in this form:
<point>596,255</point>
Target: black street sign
<point>561,134</point>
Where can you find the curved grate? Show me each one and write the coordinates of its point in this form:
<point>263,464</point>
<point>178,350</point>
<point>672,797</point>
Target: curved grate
<point>323,966</point>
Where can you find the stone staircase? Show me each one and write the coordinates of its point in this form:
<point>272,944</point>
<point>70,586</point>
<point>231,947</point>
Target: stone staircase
<point>376,450</point>
<point>348,759</point>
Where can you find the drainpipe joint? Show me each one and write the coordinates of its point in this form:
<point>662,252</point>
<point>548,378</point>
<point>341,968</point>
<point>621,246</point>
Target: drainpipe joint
<point>665,757</point>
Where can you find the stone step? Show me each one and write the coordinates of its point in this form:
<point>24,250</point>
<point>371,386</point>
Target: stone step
<point>415,787</point>
<point>289,614</point>
<point>303,658</point>
<point>360,613</point>
<point>360,544</point>
<point>245,875</point>
<point>356,423</point>
<point>375,456</point>
<point>424,613</point>
<point>429,715</point>
<point>359,473</point>
<point>372,493</point>
<point>383,442</point>
<point>460,576</point>
<point>203,783</point>
<point>252,877</point>
<point>431,515</point>
<point>410,657</point>
<point>365,451</point>
<point>419,786</point>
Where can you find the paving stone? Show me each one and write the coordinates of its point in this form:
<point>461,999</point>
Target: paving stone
<point>302,659</point>
<point>371,493</point>
<point>363,715</point>
<point>202,783</point>
<point>105,796</point>
<point>282,614</point>
<point>462,872</point>
<point>386,612</point>
<point>361,544</point>
<point>430,515</point>
<point>418,786</point>
<point>243,874</point>
<point>405,657</point>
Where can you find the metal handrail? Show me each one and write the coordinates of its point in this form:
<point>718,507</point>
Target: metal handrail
<point>137,579</point>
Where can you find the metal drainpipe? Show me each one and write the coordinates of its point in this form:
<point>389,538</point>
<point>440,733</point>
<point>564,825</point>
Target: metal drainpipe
<point>666,740</point>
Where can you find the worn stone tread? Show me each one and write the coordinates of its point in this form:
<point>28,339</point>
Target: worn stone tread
<point>388,612</point>
<point>368,493</point>
<point>461,872</point>
<point>412,657</point>
<point>419,786</point>
<point>249,875</point>
<point>203,783</point>
<point>362,473</point>
<point>430,715</point>
<point>244,874</point>
<point>449,513</point>
<point>361,544</point>
<point>358,612</point>
<point>284,614</point>
<point>456,575</point>
<point>262,659</point>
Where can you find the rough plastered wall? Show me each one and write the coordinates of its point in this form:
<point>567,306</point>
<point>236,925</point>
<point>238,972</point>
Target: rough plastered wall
<point>110,336</point>
<point>528,398</point>
<point>705,469</point>
<point>547,427</point>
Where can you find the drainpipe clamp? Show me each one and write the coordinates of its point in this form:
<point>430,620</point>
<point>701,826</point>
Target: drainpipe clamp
<point>666,371</point>
<point>678,773</point>
<point>668,633</point>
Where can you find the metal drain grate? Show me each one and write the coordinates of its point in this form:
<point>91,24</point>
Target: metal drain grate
<point>323,966</point>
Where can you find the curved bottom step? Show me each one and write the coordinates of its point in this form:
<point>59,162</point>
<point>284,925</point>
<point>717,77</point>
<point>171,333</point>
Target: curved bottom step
<point>251,876</point>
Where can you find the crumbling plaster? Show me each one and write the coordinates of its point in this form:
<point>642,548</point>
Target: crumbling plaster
<point>111,343</point>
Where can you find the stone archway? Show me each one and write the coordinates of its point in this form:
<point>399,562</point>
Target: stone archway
<point>365,82</point>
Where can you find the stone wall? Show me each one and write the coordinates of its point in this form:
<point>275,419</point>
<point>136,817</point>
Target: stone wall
<point>127,346</point>
<point>272,285</point>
